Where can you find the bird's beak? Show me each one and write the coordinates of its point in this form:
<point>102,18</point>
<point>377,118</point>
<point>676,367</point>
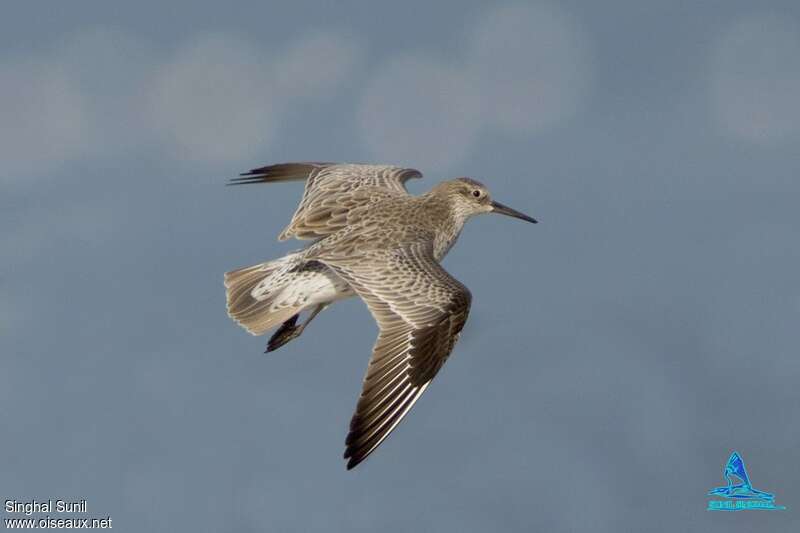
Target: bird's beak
<point>497,207</point>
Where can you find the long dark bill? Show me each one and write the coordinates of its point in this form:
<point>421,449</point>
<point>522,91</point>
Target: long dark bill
<point>497,207</point>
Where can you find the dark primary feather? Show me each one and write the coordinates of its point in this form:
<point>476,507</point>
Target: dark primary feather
<point>420,310</point>
<point>277,173</point>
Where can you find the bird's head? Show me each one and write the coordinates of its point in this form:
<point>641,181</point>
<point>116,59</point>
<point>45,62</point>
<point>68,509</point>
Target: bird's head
<point>470,197</point>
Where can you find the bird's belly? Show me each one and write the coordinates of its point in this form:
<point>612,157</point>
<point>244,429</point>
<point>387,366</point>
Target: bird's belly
<point>313,287</point>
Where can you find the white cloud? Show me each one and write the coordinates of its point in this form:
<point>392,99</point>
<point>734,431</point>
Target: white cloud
<point>316,66</point>
<point>44,119</point>
<point>111,69</point>
<point>221,97</point>
<point>525,69</point>
<point>106,92</point>
<point>755,78</point>
<point>213,100</point>
<point>531,65</point>
<point>415,111</point>
<point>81,99</point>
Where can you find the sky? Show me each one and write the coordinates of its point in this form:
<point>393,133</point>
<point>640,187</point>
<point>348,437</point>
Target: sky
<point>615,355</point>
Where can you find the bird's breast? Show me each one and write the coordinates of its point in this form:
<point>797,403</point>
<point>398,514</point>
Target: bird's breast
<point>443,242</point>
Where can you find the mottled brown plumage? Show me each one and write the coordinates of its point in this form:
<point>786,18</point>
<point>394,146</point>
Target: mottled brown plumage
<point>375,240</point>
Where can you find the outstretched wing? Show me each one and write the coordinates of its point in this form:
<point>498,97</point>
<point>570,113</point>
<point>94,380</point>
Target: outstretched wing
<point>420,310</point>
<point>333,192</point>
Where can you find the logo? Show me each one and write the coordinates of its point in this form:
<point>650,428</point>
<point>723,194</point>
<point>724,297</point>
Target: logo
<point>740,495</point>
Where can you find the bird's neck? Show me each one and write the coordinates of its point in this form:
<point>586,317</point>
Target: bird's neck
<point>446,224</point>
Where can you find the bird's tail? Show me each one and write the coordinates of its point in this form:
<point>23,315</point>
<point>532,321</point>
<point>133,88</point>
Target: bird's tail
<point>252,291</point>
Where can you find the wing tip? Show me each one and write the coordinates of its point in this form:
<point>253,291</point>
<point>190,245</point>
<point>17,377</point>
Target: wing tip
<point>412,173</point>
<point>353,459</point>
<point>357,450</point>
<point>277,172</point>
<point>243,181</point>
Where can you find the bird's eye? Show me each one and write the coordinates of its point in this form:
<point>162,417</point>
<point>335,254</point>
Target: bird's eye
<point>476,193</point>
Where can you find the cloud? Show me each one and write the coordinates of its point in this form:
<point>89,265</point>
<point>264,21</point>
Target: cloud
<point>531,65</point>
<point>213,100</point>
<point>111,68</point>
<point>105,92</point>
<point>81,99</point>
<point>316,66</point>
<point>45,120</point>
<point>755,78</point>
<point>417,111</point>
<point>525,70</point>
<point>221,97</point>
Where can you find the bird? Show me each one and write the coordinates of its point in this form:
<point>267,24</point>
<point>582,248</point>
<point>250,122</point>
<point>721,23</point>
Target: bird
<point>370,238</point>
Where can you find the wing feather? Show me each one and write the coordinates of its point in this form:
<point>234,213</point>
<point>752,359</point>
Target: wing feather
<point>420,310</point>
<point>333,194</point>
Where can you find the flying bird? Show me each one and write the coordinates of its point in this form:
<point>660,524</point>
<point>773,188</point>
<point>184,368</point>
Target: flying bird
<point>369,238</point>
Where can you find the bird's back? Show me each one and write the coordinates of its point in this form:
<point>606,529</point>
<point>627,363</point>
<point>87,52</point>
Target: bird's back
<point>335,195</point>
<point>393,222</point>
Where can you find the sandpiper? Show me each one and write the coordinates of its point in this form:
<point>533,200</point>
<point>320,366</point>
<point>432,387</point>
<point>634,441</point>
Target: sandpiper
<point>372,239</point>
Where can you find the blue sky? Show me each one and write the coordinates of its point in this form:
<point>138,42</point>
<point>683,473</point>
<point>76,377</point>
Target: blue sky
<point>615,355</point>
